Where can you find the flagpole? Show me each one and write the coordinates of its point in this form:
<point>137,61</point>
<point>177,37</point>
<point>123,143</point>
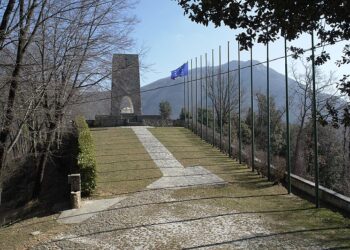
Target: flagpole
<point>252,110</point>
<point>206,96</point>
<point>184,108</point>
<point>268,114</point>
<point>287,117</point>
<point>201,93</point>
<point>196,103</point>
<point>314,122</point>
<point>239,107</point>
<point>220,98</point>
<point>192,97</point>
<point>188,100</point>
<point>229,100</point>
<point>213,94</point>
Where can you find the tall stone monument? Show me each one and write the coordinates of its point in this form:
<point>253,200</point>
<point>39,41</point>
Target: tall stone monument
<point>126,98</point>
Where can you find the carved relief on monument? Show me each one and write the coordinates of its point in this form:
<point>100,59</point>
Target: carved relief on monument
<point>126,106</point>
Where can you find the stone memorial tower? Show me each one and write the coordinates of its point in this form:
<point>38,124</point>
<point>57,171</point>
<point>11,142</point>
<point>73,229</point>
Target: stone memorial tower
<point>126,98</point>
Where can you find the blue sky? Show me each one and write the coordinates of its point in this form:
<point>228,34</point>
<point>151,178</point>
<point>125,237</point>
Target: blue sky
<point>172,39</point>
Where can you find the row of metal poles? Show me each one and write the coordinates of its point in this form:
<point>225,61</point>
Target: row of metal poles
<point>191,107</point>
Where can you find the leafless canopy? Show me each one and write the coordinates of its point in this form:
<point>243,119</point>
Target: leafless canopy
<point>50,53</point>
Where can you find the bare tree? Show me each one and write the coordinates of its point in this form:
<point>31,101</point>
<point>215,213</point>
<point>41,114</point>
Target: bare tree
<point>303,100</point>
<point>219,92</point>
<point>26,31</point>
<point>64,49</point>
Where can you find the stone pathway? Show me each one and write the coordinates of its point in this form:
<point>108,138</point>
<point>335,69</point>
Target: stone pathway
<point>155,220</point>
<point>89,208</point>
<point>158,218</point>
<point>174,174</point>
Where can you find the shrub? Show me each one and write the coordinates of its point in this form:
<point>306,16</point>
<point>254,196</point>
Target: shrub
<point>164,109</point>
<point>280,169</point>
<point>261,162</point>
<point>86,157</point>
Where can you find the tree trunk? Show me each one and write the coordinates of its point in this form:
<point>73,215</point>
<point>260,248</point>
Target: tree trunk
<point>5,132</point>
<point>5,20</point>
<point>46,150</point>
<point>13,83</point>
<point>42,164</point>
<point>296,154</point>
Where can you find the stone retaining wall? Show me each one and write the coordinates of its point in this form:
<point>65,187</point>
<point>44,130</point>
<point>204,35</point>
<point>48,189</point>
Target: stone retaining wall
<point>328,196</point>
<point>132,120</point>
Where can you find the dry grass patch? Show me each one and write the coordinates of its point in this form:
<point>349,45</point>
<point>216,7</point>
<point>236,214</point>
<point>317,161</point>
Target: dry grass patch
<point>18,236</point>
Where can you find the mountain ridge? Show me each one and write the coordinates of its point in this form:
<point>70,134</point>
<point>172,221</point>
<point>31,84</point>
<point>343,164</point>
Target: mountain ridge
<point>166,89</point>
<point>174,94</point>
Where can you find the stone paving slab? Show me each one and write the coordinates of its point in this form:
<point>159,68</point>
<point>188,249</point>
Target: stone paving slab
<point>174,174</point>
<point>89,208</point>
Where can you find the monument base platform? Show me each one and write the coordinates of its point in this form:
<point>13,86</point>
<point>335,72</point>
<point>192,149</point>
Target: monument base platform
<point>128,120</point>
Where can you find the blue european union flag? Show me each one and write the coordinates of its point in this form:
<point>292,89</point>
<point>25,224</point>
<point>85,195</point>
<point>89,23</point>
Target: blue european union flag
<point>181,71</point>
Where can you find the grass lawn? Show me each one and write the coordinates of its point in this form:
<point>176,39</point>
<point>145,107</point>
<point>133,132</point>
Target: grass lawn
<point>248,193</point>
<point>123,164</point>
<point>124,167</point>
<point>18,236</point>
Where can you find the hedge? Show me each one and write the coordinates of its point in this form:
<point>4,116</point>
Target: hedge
<point>86,157</point>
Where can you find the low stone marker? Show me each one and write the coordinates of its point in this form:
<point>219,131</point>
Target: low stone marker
<point>75,199</point>
<point>75,187</point>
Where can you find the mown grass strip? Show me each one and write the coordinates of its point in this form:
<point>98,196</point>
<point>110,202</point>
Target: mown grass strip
<point>123,164</point>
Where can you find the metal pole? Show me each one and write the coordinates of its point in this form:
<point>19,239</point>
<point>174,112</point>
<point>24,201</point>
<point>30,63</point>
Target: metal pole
<point>314,120</point>
<point>239,107</point>
<point>188,102</point>
<point>287,117</point>
<point>252,108</point>
<point>192,97</point>
<point>201,98</point>
<point>268,115</point>
<point>220,98</point>
<point>196,97</point>
<point>213,94</point>
<point>184,108</point>
<point>206,96</point>
<point>229,100</point>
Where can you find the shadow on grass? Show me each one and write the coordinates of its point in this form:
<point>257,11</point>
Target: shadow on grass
<point>213,217</point>
<point>140,179</point>
<point>254,179</point>
<point>279,234</point>
<point>222,197</point>
<point>129,169</point>
<point>114,149</point>
<point>161,159</point>
<point>110,155</point>
<point>133,154</point>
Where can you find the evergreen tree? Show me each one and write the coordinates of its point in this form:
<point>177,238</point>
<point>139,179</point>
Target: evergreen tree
<point>165,109</point>
<point>261,123</point>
